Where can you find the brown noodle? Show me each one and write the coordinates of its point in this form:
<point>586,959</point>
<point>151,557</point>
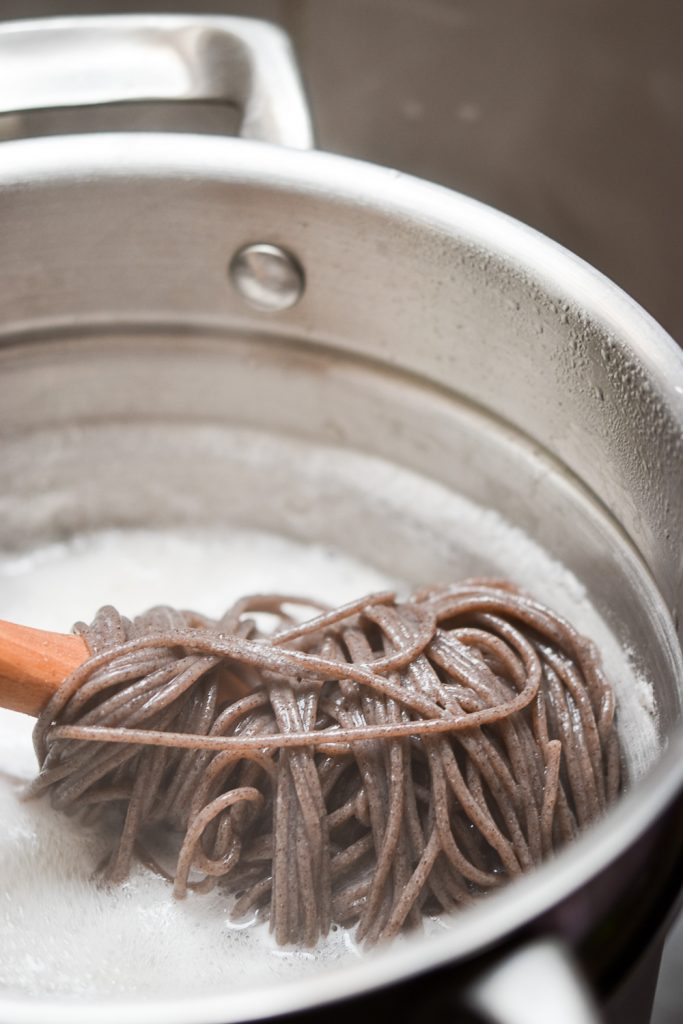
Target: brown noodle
<point>378,762</point>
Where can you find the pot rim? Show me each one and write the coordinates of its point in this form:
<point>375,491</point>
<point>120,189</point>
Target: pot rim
<point>34,163</point>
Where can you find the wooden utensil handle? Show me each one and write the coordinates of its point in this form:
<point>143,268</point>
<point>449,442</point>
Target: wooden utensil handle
<point>33,663</point>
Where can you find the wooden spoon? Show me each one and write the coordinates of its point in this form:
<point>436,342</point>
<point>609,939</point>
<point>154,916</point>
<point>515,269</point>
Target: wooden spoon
<point>33,663</point>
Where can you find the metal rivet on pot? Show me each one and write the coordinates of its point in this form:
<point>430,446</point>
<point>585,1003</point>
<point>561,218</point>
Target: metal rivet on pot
<point>267,277</point>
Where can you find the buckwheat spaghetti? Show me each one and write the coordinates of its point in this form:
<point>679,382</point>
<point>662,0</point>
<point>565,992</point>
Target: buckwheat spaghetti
<point>372,764</point>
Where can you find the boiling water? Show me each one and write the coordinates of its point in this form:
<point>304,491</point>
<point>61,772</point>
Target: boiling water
<point>61,933</point>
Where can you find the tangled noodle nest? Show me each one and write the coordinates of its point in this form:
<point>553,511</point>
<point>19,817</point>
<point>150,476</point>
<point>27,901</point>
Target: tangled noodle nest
<point>378,762</point>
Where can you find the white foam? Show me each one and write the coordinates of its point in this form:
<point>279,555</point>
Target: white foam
<point>59,932</point>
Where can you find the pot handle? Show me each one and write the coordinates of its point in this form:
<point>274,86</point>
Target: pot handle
<point>534,984</point>
<point>53,63</point>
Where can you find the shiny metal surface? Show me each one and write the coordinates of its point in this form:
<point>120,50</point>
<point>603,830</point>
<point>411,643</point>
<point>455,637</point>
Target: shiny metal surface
<point>574,432</point>
<point>57,64</point>
<point>400,346</point>
<point>267,277</point>
<point>537,983</point>
<point>480,277</point>
<point>567,115</point>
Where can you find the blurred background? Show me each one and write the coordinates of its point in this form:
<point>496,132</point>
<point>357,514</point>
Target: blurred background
<point>567,114</point>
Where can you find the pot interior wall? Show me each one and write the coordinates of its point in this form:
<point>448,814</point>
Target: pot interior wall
<point>120,230</point>
<point>154,430</point>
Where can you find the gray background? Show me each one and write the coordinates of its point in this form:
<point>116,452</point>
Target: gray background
<point>567,114</point>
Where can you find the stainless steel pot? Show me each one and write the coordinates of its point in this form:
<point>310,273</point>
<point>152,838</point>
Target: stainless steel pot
<point>564,115</point>
<point>159,287</point>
